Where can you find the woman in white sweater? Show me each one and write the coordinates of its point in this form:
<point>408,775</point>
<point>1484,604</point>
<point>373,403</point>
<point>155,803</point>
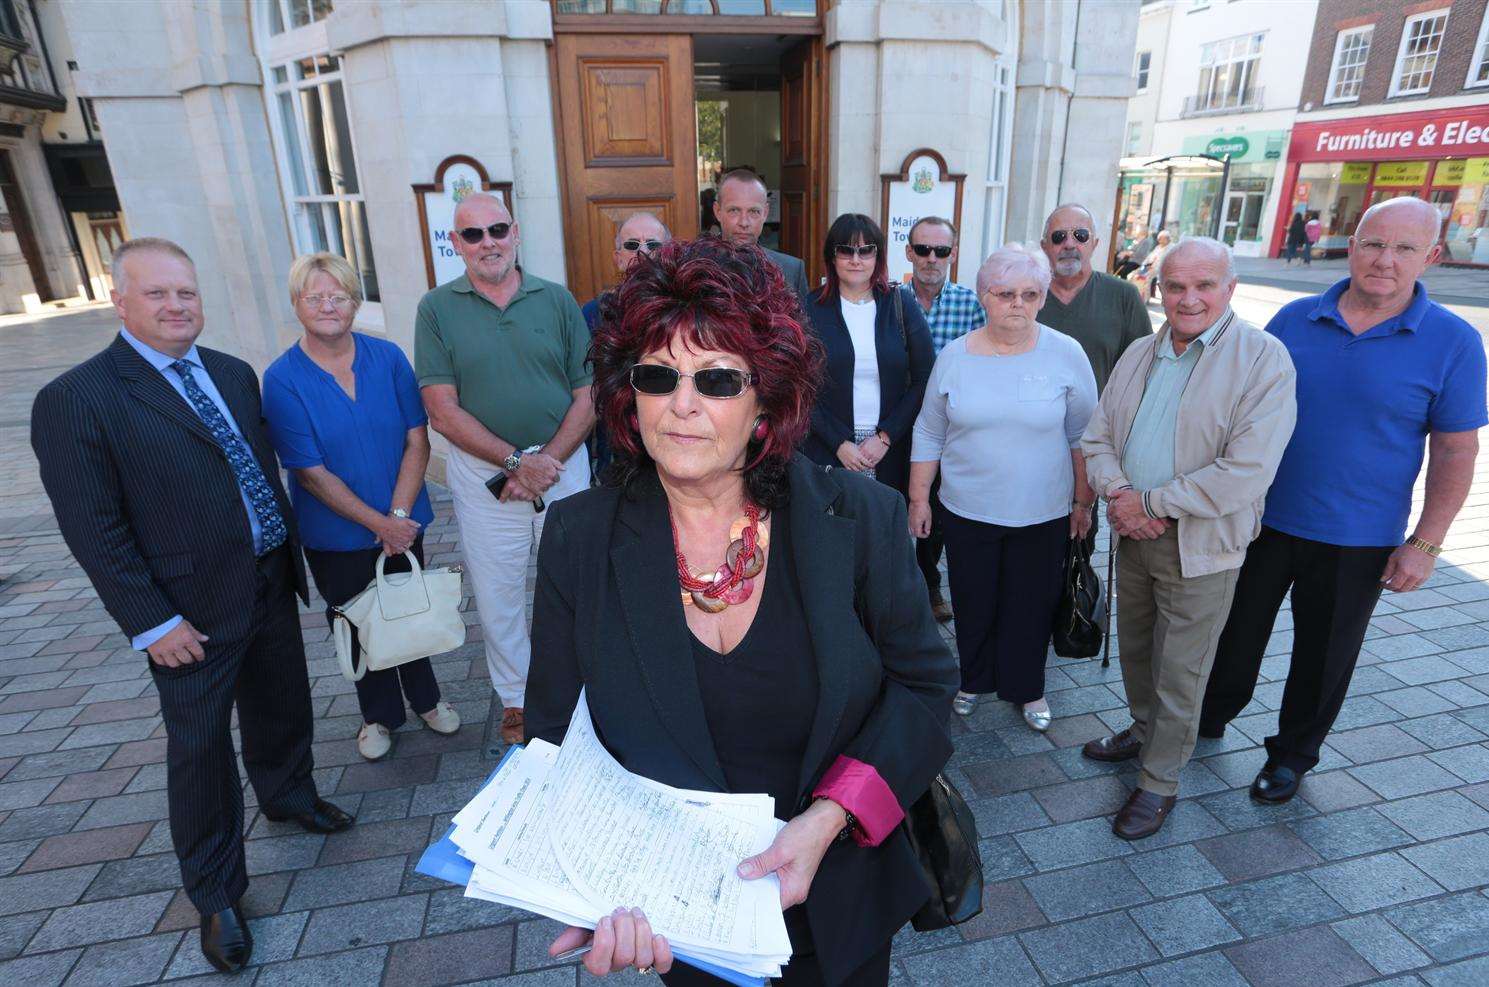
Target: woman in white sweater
<point>1002,420</point>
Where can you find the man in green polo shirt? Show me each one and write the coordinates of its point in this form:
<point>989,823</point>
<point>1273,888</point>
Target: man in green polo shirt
<point>500,357</point>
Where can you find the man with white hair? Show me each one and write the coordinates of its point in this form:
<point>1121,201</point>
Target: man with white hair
<point>1183,445</point>
<point>1384,374</point>
<point>501,360</point>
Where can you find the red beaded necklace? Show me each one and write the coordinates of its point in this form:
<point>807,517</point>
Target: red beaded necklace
<point>734,580</point>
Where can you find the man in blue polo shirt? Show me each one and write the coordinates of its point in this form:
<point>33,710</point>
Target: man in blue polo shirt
<point>1383,373</point>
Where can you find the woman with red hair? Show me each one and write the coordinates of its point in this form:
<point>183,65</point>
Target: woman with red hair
<point>742,620</point>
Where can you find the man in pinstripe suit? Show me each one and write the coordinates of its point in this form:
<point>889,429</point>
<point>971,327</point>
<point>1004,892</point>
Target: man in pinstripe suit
<point>166,488</point>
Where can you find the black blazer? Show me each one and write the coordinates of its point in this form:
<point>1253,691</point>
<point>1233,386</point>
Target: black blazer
<point>606,616</point>
<point>794,270</point>
<point>145,497</point>
<point>903,372</point>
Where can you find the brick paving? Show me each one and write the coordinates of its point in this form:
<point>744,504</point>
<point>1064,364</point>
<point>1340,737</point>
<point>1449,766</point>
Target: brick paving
<point>1377,872</point>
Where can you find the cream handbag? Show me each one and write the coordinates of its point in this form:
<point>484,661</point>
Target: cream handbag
<point>400,618</point>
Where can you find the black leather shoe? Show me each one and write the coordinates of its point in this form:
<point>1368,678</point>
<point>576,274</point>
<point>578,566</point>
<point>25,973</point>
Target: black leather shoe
<point>1275,785</point>
<point>1212,733</point>
<point>322,818</point>
<point>226,942</point>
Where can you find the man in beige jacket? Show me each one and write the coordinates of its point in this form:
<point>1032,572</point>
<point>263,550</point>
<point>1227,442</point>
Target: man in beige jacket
<point>1183,445</point>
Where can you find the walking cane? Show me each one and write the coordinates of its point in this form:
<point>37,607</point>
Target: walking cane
<point>1111,555</point>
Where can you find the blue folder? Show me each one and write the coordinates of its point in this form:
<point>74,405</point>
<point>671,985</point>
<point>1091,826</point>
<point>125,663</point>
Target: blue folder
<point>443,862</point>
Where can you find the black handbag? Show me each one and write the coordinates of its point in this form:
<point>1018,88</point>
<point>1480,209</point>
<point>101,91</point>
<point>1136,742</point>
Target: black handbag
<point>943,835</point>
<point>1080,619</point>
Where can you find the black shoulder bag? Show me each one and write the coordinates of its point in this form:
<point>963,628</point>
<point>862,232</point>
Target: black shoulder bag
<point>943,835</point>
<point>1081,617</point>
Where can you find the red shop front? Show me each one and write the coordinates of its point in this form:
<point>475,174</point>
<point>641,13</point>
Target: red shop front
<point>1339,168</point>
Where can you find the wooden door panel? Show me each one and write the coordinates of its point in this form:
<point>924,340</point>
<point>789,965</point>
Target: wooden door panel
<point>625,106</point>
<point>804,154</point>
<point>627,127</point>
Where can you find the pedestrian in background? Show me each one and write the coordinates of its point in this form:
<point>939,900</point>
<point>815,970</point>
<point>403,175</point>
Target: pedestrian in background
<point>1002,422</point>
<point>878,358</point>
<point>344,414</point>
<point>1297,238</point>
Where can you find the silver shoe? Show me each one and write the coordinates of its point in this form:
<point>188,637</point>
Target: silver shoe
<point>964,703</point>
<point>1039,720</point>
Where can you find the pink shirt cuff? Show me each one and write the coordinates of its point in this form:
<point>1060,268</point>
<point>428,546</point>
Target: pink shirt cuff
<point>857,787</point>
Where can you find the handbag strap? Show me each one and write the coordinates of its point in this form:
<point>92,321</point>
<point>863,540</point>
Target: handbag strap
<point>342,629</point>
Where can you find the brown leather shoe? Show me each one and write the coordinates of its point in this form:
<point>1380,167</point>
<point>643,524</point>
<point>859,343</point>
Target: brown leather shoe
<point>1122,747</point>
<point>512,728</point>
<point>1143,815</point>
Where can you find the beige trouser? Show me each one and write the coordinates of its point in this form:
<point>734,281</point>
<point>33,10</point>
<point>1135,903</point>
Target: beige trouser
<point>499,540</point>
<point>1168,628</point>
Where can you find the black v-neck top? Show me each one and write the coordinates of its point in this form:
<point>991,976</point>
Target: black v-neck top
<point>760,699</point>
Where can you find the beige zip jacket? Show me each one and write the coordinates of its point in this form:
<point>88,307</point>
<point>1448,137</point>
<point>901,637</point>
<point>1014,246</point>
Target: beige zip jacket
<point>1235,417</point>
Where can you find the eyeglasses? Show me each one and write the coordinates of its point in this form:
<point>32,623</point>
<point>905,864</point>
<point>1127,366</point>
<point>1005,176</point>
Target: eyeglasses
<point>1081,235</point>
<point>316,301</point>
<point>634,245</point>
<point>849,250</point>
<point>715,382</point>
<point>1007,296</point>
<point>474,234</point>
<point>1406,251</point>
<point>925,250</point>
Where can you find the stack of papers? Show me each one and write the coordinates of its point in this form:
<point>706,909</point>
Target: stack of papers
<point>568,833</point>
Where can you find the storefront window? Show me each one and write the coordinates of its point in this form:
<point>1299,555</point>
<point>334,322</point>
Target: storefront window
<point>1461,192</point>
<point>1335,193</point>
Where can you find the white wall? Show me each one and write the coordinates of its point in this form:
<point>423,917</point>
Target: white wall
<point>1287,24</point>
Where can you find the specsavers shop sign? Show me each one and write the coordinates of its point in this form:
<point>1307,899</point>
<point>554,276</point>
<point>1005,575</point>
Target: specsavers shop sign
<point>1460,132</point>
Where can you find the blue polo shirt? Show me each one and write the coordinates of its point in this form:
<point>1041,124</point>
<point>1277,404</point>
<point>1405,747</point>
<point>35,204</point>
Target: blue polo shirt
<point>313,422</point>
<point>1366,404</point>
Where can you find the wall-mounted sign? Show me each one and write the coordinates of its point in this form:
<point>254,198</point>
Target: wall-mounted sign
<point>923,187</point>
<point>1402,173</point>
<point>1426,134</point>
<point>456,177</point>
<point>1354,173</point>
<point>1236,147</point>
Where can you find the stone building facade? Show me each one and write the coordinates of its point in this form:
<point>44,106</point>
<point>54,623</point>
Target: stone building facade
<point>254,130</point>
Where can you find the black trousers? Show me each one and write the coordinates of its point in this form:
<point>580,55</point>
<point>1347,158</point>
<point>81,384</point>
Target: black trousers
<point>265,675</point>
<point>802,971</point>
<point>1005,585</point>
<point>928,549</point>
<point>340,576</point>
<point>1335,589</point>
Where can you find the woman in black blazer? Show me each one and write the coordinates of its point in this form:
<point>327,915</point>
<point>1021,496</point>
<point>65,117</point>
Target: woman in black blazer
<point>810,668</point>
<point>868,402</point>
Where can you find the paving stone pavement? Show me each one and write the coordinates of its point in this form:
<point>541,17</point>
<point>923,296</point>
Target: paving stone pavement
<point>1380,869</point>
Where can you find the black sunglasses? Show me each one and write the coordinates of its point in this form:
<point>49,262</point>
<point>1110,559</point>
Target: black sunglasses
<point>474,234</point>
<point>1081,235</point>
<point>863,250</point>
<point>925,250</point>
<point>715,382</point>
<point>635,245</point>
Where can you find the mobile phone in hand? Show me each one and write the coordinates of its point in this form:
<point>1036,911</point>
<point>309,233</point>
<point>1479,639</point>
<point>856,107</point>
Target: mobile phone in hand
<point>499,482</point>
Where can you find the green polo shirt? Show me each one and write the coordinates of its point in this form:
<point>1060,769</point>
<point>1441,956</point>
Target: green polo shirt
<point>514,368</point>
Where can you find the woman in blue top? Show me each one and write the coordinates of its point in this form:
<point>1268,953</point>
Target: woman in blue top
<point>345,416</point>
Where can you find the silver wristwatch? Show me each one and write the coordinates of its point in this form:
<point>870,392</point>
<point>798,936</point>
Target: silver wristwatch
<point>399,512</point>
<point>513,461</point>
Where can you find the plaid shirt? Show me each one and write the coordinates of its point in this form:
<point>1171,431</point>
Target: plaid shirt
<point>955,312</point>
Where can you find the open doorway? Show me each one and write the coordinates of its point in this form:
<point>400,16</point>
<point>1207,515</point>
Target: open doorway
<point>650,121</point>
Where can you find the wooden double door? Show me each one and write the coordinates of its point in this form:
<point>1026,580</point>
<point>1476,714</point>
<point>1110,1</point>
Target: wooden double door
<point>629,142</point>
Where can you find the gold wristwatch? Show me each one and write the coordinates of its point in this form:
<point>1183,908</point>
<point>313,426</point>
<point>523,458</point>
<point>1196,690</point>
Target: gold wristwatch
<point>1425,546</point>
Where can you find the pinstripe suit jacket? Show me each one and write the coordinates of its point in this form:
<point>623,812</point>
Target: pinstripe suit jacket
<point>145,497</point>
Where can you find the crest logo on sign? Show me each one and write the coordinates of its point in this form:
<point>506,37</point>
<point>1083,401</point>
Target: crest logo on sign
<point>924,181</point>
<point>461,187</point>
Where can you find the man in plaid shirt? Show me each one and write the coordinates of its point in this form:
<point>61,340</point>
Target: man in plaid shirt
<point>951,310</point>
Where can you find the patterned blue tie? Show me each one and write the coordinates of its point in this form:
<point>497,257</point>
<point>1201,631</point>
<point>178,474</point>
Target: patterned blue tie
<point>245,467</point>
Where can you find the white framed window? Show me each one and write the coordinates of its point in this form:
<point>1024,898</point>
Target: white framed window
<point>314,140</point>
<point>290,14</point>
<point>1144,63</point>
<point>1134,136</point>
<point>1416,59</point>
<point>1000,141</point>
<point>1227,73</point>
<point>1478,64</point>
<point>1351,50</point>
